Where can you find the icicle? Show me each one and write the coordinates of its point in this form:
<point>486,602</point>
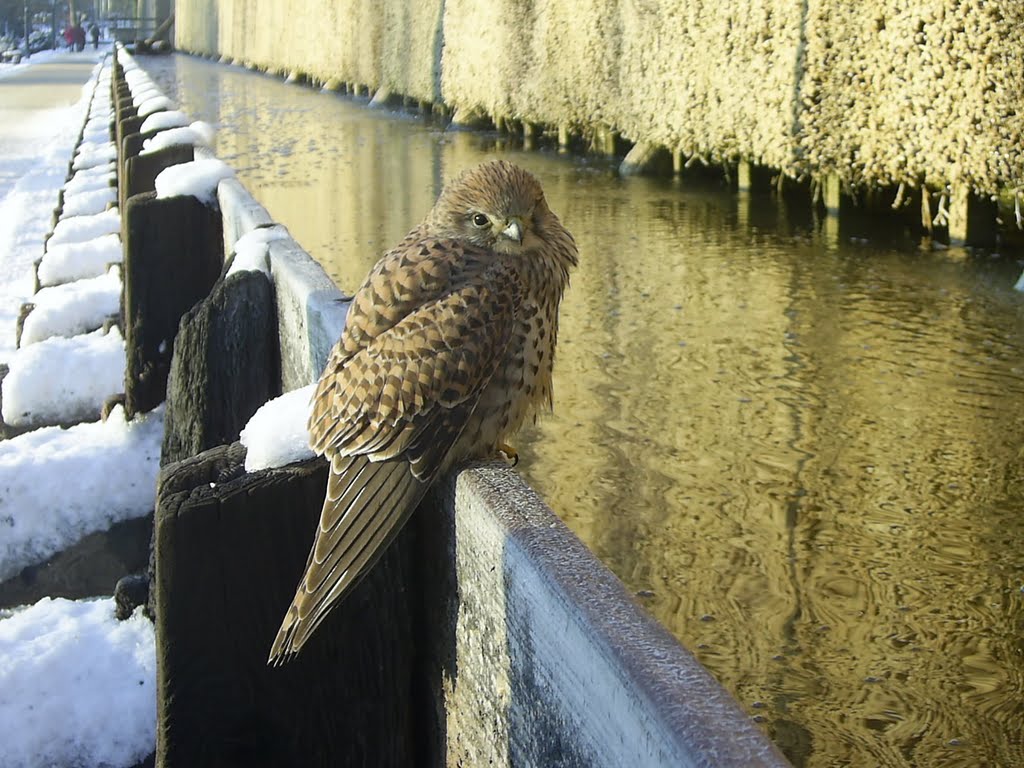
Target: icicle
<point>898,202</point>
<point>942,217</point>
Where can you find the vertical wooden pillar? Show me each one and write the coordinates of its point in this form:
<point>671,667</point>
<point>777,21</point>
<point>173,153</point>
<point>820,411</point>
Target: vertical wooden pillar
<point>751,177</point>
<point>678,162</point>
<point>173,254</point>
<point>225,366</point>
<point>530,133</point>
<point>744,175</point>
<point>833,194</point>
<point>972,219</point>
<point>230,548</point>
<point>605,140</point>
<point>563,138</point>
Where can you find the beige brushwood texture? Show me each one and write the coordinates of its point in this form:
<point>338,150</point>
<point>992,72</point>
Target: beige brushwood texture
<point>878,93</point>
<point>447,350</point>
<point>927,91</point>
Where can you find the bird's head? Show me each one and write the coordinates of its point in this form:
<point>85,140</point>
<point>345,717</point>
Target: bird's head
<point>498,206</point>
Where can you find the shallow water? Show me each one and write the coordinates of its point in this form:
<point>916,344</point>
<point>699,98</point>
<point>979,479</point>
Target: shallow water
<point>804,451</point>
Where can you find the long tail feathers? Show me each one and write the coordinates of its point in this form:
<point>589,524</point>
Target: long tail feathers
<point>366,506</point>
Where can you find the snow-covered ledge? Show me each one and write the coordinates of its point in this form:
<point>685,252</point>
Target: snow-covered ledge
<point>555,660</point>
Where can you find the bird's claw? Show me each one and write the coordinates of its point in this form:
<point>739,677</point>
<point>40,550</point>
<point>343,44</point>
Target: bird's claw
<point>510,453</point>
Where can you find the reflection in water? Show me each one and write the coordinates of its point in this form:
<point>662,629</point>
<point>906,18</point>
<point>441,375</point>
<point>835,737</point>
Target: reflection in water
<point>804,451</point>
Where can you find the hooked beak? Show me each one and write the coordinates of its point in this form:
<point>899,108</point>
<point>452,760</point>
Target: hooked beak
<point>514,231</point>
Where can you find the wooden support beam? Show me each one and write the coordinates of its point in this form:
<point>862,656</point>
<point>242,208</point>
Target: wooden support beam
<point>605,140</point>
<point>972,219</point>
<point>639,159</point>
<point>832,194</point>
<point>230,547</point>
<point>564,136</point>
<point>751,177</point>
<point>225,366</point>
<point>530,134</point>
<point>174,252</point>
<point>678,162</point>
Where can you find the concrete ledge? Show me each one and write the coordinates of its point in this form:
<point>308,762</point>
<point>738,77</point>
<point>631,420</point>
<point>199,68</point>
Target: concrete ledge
<point>240,211</point>
<point>310,310</point>
<point>554,661</point>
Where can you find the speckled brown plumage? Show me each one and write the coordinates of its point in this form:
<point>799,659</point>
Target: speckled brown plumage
<point>447,349</point>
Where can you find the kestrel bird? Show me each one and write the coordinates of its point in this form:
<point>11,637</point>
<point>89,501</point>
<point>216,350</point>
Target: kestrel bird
<point>447,349</point>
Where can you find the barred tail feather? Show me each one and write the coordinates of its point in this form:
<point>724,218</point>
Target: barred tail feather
<point>366,506</point>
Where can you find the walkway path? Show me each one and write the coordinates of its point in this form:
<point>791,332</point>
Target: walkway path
<point>41,118</point>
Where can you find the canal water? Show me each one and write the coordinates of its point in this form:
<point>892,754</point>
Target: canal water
<point>802,449</point>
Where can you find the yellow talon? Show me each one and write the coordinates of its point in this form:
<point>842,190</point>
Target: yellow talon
<point>511,454</point>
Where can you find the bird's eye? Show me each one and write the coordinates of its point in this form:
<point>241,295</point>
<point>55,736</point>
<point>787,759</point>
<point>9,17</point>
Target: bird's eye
<point>479,220</point>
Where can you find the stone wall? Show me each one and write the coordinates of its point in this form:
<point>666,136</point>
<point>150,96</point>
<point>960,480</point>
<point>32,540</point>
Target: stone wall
<point>875,92</point>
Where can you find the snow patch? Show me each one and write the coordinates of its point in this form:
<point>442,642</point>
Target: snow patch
<point>78,686</point>
<point>161,121</point>
<point>113,465</point>
<point>252,252</point>
<point>74,261</point>
<point>88,202</point>
<point>198,178</point>
<point>73,308</point>
<point>92,155</point>
<point>276,434</point>
<point>62,380</point>
<point>77,229</point>
<point>90,177</point>
<point>155,104</point>
<point>172,137</point>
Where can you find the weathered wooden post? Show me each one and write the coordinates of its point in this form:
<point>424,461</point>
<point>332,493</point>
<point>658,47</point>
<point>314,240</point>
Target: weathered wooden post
<point>230,548</point>
<point>605,140</point>
<point>564,137</point>
<point>225,365</point>
<point>140,171</point>
<point>173,255</point>
<point>641,159</point>
<point>751,177</point>
<point>833,194</point>
<point>972,219</point>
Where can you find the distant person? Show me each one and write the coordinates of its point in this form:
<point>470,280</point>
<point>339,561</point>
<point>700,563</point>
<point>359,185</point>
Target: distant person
<point>94,33</point>
<point>69,36</point>
<point>79,37</point>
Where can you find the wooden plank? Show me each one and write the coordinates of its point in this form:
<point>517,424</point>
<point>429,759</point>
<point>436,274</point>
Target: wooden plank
<point>311,313</point>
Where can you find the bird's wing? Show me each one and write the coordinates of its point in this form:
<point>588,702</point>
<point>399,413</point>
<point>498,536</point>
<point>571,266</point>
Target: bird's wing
<point>400,394</point>
<point>387,419</point>
<point>424,335</point>
<point>366,506</point>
